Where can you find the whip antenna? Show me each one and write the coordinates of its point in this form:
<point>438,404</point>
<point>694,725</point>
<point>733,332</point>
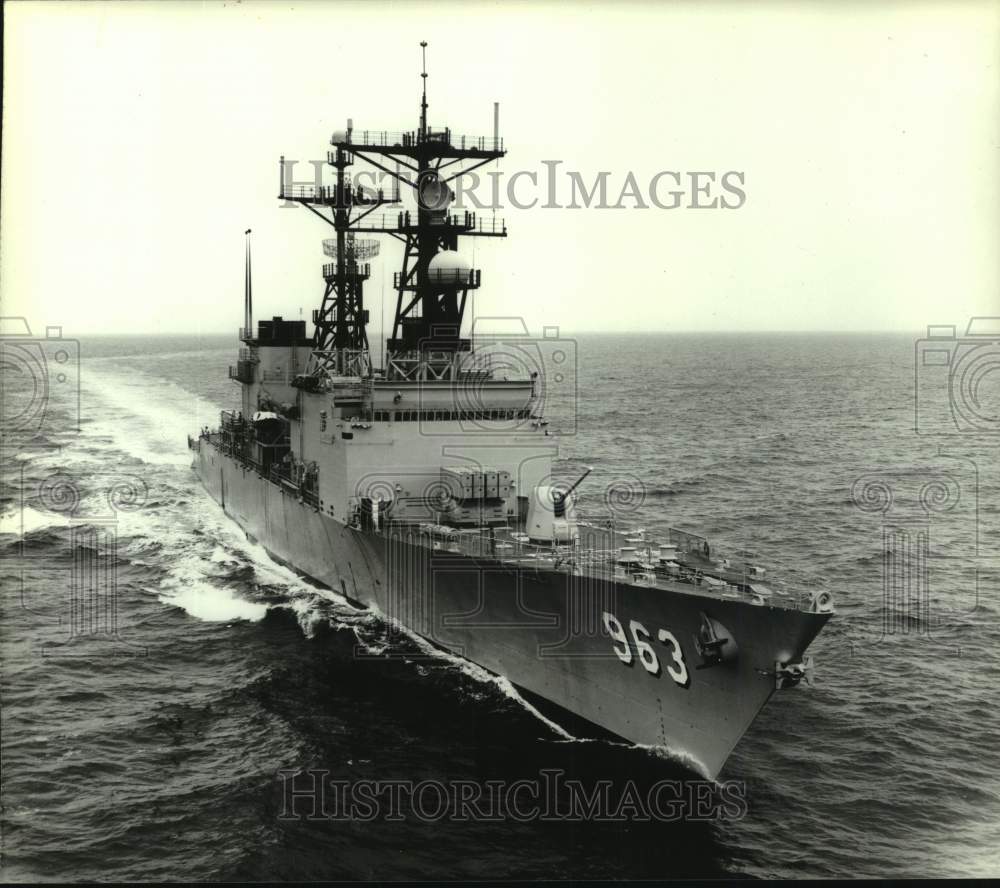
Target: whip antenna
<point>423,102</point>
<point>248,294</point>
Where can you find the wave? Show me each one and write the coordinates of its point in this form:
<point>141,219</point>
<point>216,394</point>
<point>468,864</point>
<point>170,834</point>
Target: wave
<point>206,602</point>
<point>674,488</point>
<point>27,520</point>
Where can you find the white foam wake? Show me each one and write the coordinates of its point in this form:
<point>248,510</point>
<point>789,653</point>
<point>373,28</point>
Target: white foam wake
<point>144,416</point>
<point>28,520</point>
<point>188,588</point>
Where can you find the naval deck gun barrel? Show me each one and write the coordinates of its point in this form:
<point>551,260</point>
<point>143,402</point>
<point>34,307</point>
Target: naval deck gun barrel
<point>560,498</point>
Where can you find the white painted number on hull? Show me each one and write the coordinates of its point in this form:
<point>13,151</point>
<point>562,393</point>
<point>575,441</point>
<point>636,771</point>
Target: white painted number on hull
<point>677,669</point>
<point>618,634</point>
<point>646,653</point>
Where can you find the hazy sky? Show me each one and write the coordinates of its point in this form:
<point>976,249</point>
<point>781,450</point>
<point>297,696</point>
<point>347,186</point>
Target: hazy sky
<point>141,140</point>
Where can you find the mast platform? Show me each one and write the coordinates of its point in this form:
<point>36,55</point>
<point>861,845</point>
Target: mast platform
<point>414,143</point>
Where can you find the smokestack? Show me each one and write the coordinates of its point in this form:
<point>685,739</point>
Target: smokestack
<point>496,125</point>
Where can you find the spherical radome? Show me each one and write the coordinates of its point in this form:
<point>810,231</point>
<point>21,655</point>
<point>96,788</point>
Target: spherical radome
<point>449,267</point>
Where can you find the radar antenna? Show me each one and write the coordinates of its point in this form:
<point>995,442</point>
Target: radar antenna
<point>431,291</point>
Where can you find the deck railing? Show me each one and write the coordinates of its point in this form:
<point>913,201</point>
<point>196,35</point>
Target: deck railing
<point>351,270</point>
<point>598,554</point>
<point>359,139</point>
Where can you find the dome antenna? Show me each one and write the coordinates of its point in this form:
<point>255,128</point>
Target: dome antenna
<point>423,103</point>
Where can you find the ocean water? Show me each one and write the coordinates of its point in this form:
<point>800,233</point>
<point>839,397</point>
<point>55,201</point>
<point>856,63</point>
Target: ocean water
<point>156,751</point>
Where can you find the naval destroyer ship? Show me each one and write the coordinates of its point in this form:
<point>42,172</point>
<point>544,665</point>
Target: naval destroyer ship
<point>423,488</point>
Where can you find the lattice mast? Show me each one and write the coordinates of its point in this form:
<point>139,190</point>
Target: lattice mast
<point>431,293</point>
<point>340,320</point>
<point>340,339</point>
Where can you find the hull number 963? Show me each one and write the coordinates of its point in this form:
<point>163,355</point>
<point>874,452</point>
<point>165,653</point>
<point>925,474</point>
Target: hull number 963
<point>640,638</point>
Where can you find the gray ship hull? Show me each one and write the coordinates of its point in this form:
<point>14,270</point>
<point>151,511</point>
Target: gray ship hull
<point>543,629</point>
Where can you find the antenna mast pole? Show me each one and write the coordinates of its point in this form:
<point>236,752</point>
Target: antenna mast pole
<point>248,294</point>
<point>423,101</point>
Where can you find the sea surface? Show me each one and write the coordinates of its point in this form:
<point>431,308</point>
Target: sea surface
<point>146,737</point>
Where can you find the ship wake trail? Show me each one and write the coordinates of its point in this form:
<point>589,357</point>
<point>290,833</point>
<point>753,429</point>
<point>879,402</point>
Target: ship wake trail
<point>205,556</point>
<point>139,415</point>
<point>193,558</point>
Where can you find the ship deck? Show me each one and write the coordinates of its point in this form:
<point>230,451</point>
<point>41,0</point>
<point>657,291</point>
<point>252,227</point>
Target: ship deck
<point>623,557</point>
<point>603,552</point>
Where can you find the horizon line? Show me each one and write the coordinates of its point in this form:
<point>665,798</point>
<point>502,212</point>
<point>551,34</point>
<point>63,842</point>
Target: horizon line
<point>727,332</point>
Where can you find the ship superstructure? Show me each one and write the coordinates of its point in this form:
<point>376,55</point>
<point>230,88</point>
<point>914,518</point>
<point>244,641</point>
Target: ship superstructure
<point>423,484</point>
